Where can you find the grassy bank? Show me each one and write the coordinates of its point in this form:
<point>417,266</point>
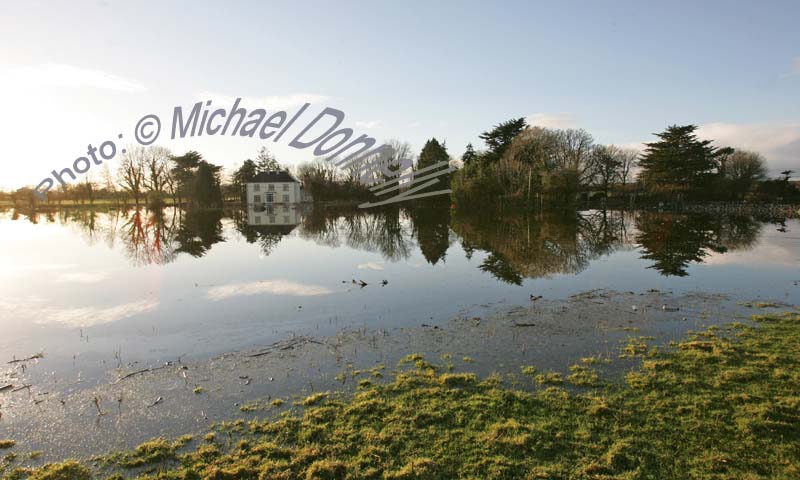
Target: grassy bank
<point>723,403</point>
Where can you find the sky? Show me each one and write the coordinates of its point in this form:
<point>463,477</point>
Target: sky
<point>81,72</point>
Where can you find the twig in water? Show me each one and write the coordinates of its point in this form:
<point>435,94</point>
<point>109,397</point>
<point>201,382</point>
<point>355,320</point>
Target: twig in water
<point>144,370</point>
<point>32,357</point>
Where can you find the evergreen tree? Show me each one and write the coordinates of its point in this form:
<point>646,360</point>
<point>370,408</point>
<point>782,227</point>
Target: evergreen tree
<point>469,155</point>
<point>679,161</point>
<point>242,175</point>
<point>266,161</point>
<point>500,137</point>
<point>197,179</point>
<point>183,172</point>
<point>207,191</point>
<point>432,153</point>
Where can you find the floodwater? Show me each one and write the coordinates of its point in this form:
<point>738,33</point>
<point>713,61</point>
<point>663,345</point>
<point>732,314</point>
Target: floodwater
<point>93,290</point>
<point>111,319</point>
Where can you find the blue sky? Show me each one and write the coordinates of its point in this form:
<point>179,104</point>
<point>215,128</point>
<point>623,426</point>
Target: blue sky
<point>72,73</point>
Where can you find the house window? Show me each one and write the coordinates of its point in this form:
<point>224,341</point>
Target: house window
<point>285,187</point>
<point>269,209</point>
<point>257,187</point>
<point>286,198</point>
<point>271,187</point>
<point>286,208</point>
<point>270,198</point>
<point>286,219</point>
<point>257,198</point>
<point>258,219</point>
<point>272,219</point>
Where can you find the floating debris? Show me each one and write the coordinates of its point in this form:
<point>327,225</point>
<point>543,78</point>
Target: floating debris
<point>144,370</point>
<point>288,344</point>
<point>158,400</point>
<point>669,309</point>
<point>28,359</point>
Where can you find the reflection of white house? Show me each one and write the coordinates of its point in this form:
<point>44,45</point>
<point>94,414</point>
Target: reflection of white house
<point>269,188</point>
<point>274,215</point>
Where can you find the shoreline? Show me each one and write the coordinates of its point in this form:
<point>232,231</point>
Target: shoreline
<point>134,405</point>
<point>542,410</point>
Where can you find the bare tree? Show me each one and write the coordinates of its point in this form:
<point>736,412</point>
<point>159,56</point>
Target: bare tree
<point>131,171</point>
<point>744,169</point>
<point>156,168</point>
<point>399,159</point>
<point>108,179</point>
<point>574,152</point>
<point>606,166</point>
<point>628,158</point>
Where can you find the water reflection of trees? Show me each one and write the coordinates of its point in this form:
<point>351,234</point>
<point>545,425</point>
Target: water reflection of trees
<point>532,246</point>
<point>673,241</point>
<point>386,231</point>
<point>432,230</point>
<point>518,246</point>
<point>147,236</point>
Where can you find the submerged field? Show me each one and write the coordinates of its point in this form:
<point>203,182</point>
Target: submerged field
<point>723,403</point>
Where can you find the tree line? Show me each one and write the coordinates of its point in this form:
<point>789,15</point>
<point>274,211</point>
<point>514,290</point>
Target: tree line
<point>545,167</point>
<point>521,164</point>
<point>149,176</point>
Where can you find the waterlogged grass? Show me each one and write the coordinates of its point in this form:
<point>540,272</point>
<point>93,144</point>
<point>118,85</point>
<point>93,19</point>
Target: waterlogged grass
<point>724,403</point>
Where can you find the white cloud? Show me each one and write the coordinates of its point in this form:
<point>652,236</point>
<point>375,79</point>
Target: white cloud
<point>370,124</point>
<point>551,120</point>
<point>273,287</point>
<point>82,277</point>
<point>769,253</point>
<point>778,142</point>
<point>278,102</point>
<point>32,309</point>
<point>370,266</point>
<point>61,75</point>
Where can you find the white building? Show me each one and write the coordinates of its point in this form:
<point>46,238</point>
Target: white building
<point>270,188</point>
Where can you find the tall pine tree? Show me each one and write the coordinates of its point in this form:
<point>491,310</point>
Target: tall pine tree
<point>432,153</point>
<point>679,161</point>
<point>500,137</point>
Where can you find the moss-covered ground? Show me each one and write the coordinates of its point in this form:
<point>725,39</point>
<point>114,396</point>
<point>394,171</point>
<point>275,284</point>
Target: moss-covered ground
<point>723,403</point>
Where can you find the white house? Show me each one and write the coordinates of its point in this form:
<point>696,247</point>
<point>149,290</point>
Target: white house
<point>277,187</point>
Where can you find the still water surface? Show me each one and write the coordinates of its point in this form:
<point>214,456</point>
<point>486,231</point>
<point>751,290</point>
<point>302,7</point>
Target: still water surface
<point>96,289</point>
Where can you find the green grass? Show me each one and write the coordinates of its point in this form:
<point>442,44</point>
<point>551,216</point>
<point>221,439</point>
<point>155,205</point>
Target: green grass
<point>722,404</point>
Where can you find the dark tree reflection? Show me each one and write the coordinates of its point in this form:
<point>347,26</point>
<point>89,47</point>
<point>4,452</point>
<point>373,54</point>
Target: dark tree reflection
<point>199,230</point>
<point>432,229</point>
<point>538,245</point>
<point>674,241</point>
<point>149,237</point>
<point>386,231</point>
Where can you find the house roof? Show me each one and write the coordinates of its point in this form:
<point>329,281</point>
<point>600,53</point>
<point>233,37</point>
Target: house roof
<point>274,176</point>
